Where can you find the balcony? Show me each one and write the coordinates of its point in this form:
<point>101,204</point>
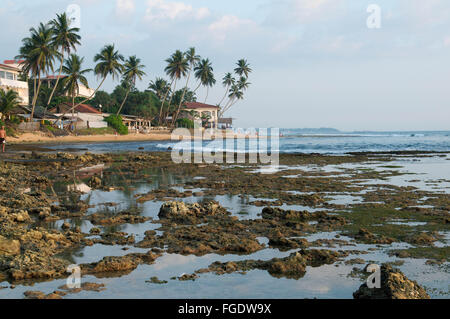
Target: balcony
<point>13,84</point>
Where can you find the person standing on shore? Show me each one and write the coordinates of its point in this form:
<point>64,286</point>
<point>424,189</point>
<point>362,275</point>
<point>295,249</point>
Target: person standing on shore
<point>3,138</point>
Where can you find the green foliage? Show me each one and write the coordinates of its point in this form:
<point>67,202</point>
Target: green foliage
<point>96,131</point>
<point>115,121</point>
<point>14,120</point>
<point>8,101</point>
<point>186,123</point>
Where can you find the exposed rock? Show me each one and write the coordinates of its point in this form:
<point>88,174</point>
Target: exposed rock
<point>120,218</point>
<point>423,239</point>
<point>9,247</point>
<point>123,264</point>
<point>95,182</point>
<point>366,236</point>
<point>181,212</point>
<point>293,266</point>
<point>394,285</point>
<point>40,295</point>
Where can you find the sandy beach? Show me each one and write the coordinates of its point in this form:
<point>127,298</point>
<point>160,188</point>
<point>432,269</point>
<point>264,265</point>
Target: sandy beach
<point>40,137</point>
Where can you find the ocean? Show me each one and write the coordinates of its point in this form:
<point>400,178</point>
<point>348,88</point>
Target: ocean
<point>296,141</point>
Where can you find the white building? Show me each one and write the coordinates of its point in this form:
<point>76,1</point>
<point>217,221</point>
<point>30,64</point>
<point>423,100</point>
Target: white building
<point>85,115</point>
<point>9,80</point>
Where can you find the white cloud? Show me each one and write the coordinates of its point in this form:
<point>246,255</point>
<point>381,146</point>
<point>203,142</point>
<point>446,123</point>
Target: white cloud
<point>307,10</point>
<point>161,10</point>
<point>125,8</point>
<point>229,24</point>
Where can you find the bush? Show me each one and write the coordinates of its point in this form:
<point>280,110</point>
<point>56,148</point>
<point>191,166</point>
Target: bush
<point>186,123</point>
<point>116,123</point>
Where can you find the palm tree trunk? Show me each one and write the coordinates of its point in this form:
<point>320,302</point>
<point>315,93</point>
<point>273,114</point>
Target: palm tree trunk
<point>163,101</point>
<point>57,80</point>
<point>182,98</point>
<point>227,106</point>
<point>123,102</point>
<point>198,86</point>
<point>74,106</point>
<point>171,97</point>
<point>73,112</point>
<point>207,93</point>
<point>226,92</point>
<point>35,96</point>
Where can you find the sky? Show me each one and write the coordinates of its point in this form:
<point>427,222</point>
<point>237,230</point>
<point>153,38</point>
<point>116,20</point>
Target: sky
<point>316,63</point>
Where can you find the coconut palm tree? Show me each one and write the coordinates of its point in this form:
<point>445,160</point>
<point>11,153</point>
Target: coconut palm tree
<point>38,52</point>
<point>243,68</point>
<point>133,70</point>
<point>159,86</point>
<point>192,58</point>
<point>204,73</point>
<point>75,75</point>
<point>8,101</point>
<point>227,81</point>
<point>177,67</point>
<point>237,89</point>
<point>243,83</point>
<point>235,95</point>
<point>65,39</point>
<point>108,63</point>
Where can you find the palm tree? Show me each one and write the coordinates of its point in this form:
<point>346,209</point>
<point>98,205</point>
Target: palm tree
<point>227,81</point>
<point>108,64</point>
<point>236,94</point>
<point>177,66</point>
<point>133,69</point>
<point>159,86</point>
<point>204,73</point>
<point>243,83</point>
<point>192,58</point>
<point>237,89</point>
<point>38,52</point>
<point>75,75</point>
<point>243,68</point>
<point>65,38</point>
<point>8,101</point>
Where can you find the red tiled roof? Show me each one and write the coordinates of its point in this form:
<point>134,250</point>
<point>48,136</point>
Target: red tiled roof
<point>83,108</point>
<point>197,105</point>
<point>54,77</point>
<point>9,67</point>
<point>13,61</point>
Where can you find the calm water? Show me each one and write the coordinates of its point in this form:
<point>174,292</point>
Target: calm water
<point>327,281</point>
<point>292,141</point>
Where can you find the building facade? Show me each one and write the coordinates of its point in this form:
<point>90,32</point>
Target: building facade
<point>84,115</point>
<point>203,115</point>
<point>83,92</point>
<point>9,80</point>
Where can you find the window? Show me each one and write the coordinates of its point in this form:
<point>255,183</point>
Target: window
<point>9,76</point>
<point>2,75</point>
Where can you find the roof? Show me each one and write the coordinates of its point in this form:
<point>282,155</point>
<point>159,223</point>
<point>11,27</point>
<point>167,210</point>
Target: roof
<point>9,67</point>
<point>197,105</point>
<point>226,120</point>
<point>39,112</point>
<point>82,108</point>
<point>54,77</point>
<point>13,61</point>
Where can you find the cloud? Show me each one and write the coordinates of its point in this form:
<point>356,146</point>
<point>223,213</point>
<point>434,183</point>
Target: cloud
<point>228,25</point>
<point>161,10</point>
<point>125,8</point>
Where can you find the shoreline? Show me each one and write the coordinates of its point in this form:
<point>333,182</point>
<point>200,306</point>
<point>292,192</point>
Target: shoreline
<point>42,138</point>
